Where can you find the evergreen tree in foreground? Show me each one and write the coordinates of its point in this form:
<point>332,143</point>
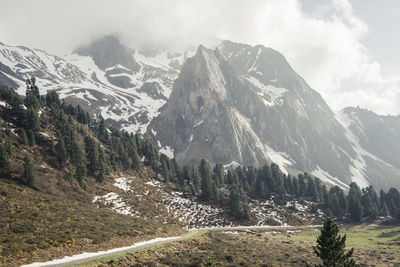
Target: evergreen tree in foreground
<point>330,247</point>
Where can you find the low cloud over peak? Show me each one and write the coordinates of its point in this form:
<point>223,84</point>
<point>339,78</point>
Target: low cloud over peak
<point>326,46</point>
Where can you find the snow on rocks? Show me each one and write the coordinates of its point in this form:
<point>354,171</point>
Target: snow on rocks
<point>271,95</point>
<point>153,199</point>
<point>194,214</point>
<point>265,212</point>
<point>273,233</point>
<point>282,159</point>
<point>269,212</point>
<point>326,177</point>
<point>167,150</point>
<point>293,231</point>
<point>116,203</point>
<point>122,183</point>
<point>153,183</point>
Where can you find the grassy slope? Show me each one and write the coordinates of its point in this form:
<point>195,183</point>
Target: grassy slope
<point>373,247</point>
<point>36,227</point>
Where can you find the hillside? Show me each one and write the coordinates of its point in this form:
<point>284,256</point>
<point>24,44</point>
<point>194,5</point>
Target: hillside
<point>38,227</point>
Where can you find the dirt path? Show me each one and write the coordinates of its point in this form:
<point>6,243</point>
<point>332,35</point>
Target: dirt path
<point>87,256</point>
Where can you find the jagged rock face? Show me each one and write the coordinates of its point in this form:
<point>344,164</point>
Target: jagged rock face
<point>294,118</point>
<point>376,139</point>
<point>244,104</point>
<point>377,134</point>
<point>199,120</point>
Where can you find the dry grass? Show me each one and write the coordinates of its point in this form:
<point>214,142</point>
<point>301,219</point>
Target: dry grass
<point>373,247</point>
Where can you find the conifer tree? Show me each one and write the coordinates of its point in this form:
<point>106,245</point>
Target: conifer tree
<point>102,171</point>
<point>61,153</point>
<point>32,138</point>
<point>32,121</point>
<point>4,162</point>
<point>136,165</point>
<point>205,173</point>
<point>52,98</point>
<point>215,192</point>
<point>31,102</point>
<point>295,187</point>
<point>81,174</point>
<point>383,208</point>
<point>102,130</point>
<point>8,146</point>
<point>53,152</point>
<point>24,137</point>
<point>29,171</point>
<point>31,87</point>
<point>330,247</point>
<point>92,154</point>
<point>355,208</point>
<point>234,200</point>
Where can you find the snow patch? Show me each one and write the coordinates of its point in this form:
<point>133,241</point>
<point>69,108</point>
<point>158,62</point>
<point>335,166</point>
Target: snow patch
<point>358,166</point>
<point>199,123</point>
<point>326,177</point>
<point>271,95</point>
<point>167,150</point>
<point>282,159</point>
<point>116,203</point>
<point>122,183</point>
<point>233,164</point>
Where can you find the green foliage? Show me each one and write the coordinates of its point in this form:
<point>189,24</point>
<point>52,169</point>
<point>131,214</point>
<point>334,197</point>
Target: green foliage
<point>32,138</point>
<point>209,262</point>
<point>61,153</point>
<point>238,203</point>
<point>24,137</point>
<point>4,162</point>
<point>206,186</point>
<point>102,132</point>
<point>29,171</point>
<point>81,174</point>
<point>31,102</point>
<point>355,208</point>
<point>32,121</point>
<point>330,247</point>
<point>31,88</point>
<point>92,154</point>
<point>8,146</point>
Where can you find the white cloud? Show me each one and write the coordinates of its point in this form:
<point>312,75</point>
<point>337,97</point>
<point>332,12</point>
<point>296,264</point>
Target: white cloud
<point>325,48</point>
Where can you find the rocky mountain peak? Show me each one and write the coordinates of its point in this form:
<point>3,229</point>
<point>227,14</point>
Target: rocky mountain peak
<point>108,52</point>
<point>266,64</point>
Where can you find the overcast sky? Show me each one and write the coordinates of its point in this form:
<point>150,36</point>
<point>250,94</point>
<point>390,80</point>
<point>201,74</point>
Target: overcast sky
<point>348,50</point>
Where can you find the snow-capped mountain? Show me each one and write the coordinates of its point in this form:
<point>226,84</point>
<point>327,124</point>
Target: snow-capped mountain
<point>237,104</point>
<point>246,104</point>
<point>125,86</point>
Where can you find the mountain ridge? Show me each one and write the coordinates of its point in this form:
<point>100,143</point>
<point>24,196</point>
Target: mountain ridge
<point>289,115</point>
